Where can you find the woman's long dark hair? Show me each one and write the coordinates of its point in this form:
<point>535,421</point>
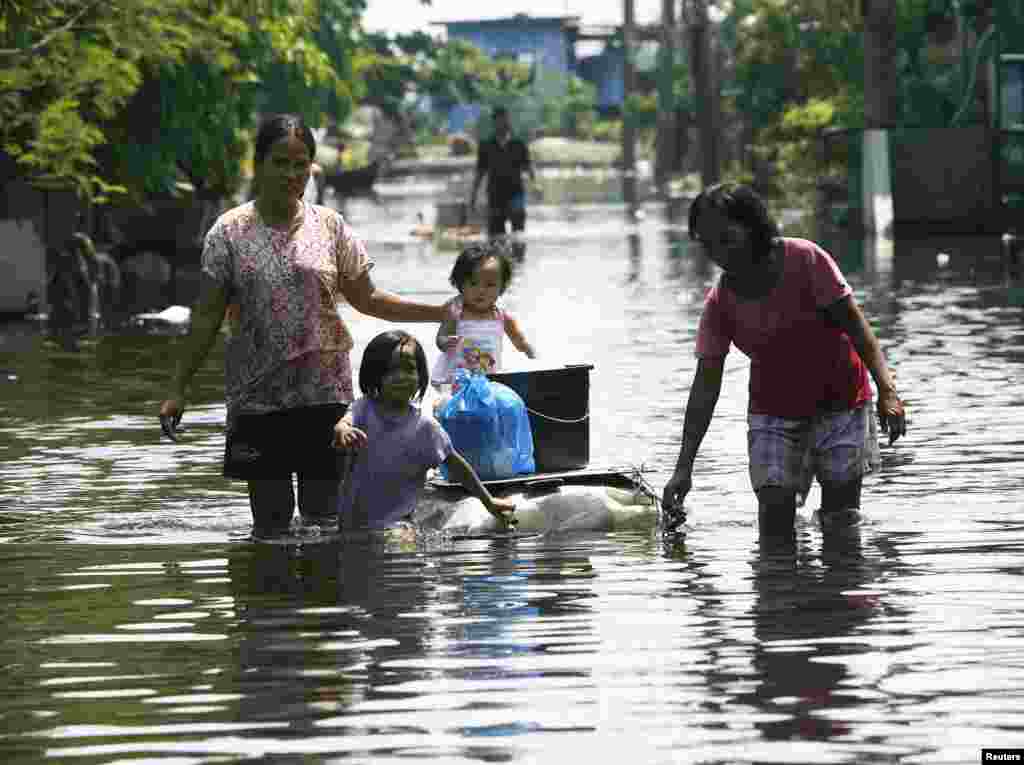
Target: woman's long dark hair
<point>275,127</point>
<point>741,204</point>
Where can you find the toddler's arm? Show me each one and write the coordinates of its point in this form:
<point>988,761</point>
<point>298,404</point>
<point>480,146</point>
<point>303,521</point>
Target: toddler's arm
<point>446,337</point>
<point>515,334</point>
<point>463,472</point>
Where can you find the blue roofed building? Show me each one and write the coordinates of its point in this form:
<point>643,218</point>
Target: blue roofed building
<point>605,71</point>
<point>548,43</point>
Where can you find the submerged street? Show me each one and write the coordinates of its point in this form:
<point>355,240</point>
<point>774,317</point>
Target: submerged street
<point>143,623</point>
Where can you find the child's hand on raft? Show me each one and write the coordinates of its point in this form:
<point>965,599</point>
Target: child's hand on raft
<point>348,437</point>
<point>504,510</point>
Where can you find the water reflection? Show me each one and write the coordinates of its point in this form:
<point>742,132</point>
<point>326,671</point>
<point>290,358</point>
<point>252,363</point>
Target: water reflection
<point>805,617</point>
<point>635,258</point>
<point>154,632</point>
<point>317,624</point>
<point>900,262</point>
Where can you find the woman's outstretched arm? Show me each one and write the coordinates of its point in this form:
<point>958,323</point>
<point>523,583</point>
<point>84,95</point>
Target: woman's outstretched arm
<point>367,298</point>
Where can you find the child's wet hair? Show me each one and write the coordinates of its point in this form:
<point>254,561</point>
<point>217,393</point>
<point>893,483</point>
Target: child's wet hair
<point>378,356</point>
<point>473,255</point>
<point>741,204</point>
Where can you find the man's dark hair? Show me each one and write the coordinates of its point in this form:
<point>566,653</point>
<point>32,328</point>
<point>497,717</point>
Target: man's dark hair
<point>377,361</point>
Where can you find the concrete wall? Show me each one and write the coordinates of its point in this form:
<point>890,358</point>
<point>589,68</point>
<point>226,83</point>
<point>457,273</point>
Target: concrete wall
<point>30,220</point>
<point>939,180</point>
<point>876,183</point>
<point>944,178</point>
<point>22,265</point>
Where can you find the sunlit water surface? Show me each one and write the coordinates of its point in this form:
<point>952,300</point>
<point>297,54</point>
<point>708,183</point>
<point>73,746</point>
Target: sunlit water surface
<point>142,626</point>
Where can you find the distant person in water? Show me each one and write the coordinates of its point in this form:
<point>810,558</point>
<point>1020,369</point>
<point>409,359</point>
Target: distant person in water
<point>784,303</point>
<point>287,265</point>
<point>504,160</point>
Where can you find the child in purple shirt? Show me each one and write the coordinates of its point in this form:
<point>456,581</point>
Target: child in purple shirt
<point>394,443</point>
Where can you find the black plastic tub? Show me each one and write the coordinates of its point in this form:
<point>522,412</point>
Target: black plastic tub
<point>558,402</point>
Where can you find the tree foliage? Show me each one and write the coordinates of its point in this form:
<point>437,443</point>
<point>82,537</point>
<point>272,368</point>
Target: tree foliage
<point>404,67</point>
<point>405,70</point>
<point>790,51</point>
<point>797,67</point>
<point>104,95</point>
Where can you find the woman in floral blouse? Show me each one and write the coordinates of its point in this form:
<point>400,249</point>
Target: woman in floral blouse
<point>285,265</point>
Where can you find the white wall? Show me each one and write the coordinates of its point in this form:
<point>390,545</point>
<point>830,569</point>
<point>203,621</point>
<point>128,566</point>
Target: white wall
<point>22,264</point>
<point>877,179</point>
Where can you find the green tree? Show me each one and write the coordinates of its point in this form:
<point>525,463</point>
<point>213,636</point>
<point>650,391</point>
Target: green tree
<point>126,94</point>
<point>459,72</point>
<point>574,111</point>
<point>325,76</point>
<point>395,69</point>
<point>788,52</point>
<point>401,69</point>
<point>799,67</point>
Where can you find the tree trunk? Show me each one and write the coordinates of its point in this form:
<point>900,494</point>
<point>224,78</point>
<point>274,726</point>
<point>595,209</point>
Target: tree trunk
<point>881,89</point>
<point>983,87</point>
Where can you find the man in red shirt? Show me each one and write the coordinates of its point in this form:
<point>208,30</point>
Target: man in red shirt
<point>785,304</point>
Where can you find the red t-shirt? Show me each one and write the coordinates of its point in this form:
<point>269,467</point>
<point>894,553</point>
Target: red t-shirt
<point>800,363</point>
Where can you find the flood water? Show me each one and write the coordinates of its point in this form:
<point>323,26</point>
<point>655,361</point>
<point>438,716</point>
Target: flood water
<point>142,626</point>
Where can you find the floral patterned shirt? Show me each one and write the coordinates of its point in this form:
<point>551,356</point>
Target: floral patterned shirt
<point>288,345</point>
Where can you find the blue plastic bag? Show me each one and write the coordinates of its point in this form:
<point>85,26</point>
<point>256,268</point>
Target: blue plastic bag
<point>489,426</point>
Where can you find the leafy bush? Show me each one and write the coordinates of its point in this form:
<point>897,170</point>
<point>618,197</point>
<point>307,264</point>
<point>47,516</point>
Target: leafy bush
<point>609,130</point>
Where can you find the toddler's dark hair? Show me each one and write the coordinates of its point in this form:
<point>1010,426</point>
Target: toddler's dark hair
<point>475,254</point>
<point>377,361</point>
<point>741,204</point>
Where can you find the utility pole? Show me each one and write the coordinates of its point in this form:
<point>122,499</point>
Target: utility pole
<point>628,86</point>
<point>667,143</point>
<point>881,113</point>
<point>696,14</point>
